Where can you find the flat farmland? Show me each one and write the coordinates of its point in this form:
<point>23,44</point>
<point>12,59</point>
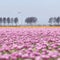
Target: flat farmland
<point>29,43</point>
<point>29,26</point>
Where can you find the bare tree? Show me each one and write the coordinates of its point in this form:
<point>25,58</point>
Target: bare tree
<point>12,21</point>
<point>0,20</point>
<point>52,20</point>
<point>8,20</point>
<point>31,20</point>
<point>58,20</point>
<point>16,20</point>
<point>4,20</point>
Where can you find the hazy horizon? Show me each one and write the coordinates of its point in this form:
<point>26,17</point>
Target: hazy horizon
<point>42,9</point>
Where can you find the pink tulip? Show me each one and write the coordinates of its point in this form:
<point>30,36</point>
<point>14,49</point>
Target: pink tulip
<point>29,43</point>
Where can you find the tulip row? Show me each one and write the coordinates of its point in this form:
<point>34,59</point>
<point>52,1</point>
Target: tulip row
<point>30,44</point>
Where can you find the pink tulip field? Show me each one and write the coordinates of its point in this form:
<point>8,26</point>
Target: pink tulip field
<point>29,43</point>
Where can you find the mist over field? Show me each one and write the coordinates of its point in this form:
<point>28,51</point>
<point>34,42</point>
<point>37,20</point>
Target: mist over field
<point>42,9</point>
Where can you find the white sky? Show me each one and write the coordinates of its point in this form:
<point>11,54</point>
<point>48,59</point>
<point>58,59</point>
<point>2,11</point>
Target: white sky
<point>42,9</point>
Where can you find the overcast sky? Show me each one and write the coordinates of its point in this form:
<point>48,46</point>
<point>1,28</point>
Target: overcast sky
<point>42,9</point>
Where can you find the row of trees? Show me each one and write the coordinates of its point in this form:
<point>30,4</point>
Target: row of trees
<point>54,21</point>
<point>8,20</point>
<point>31,20</point>
<point>28,20</point>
